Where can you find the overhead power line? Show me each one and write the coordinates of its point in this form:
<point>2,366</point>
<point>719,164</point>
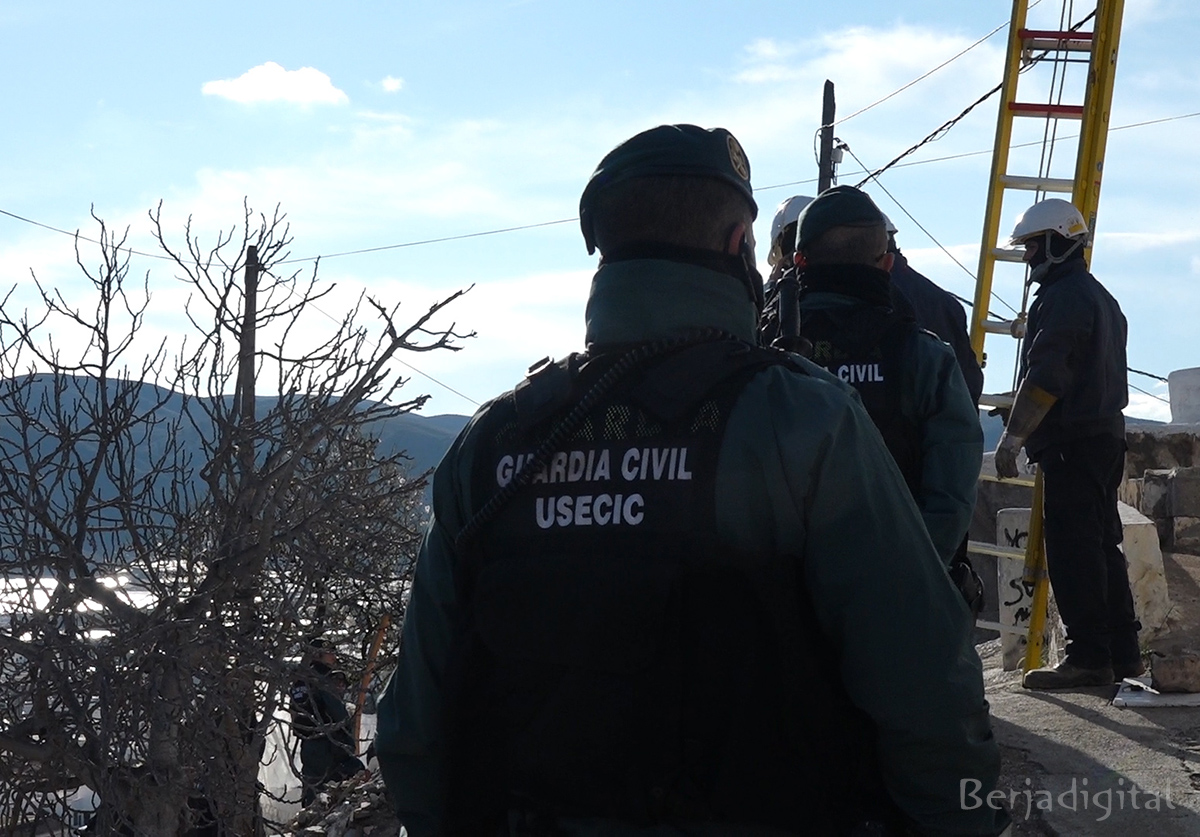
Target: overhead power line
<point>77,235</point>
<point>923,76</point>
<point>1148,375</point>
<point>433,240</point>
<point>1166,401</point>
<point>941,131</point>
<point>417,243</point>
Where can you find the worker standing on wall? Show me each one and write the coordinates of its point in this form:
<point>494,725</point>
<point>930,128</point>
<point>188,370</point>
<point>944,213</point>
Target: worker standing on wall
<point>1067,415</point>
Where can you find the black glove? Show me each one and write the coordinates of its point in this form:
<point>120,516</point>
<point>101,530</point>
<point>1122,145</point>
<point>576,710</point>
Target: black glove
<point>968,583</point>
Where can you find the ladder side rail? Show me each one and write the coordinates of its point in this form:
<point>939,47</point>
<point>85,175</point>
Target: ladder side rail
<point>995,200</point>
<point>1093,141</point>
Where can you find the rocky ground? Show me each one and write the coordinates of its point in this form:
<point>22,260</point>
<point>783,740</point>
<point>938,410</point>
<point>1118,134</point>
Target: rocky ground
<point>1133,771</point>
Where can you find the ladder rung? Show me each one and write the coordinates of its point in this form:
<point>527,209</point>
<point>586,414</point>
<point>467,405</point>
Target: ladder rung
<point>1000,628</point>
<point>1008,254</point>
<point>1047,110</point>
<point>1012,328</point>
<point>1026,481</point>
<point>1050,40</point>
<point>995,550</point>
<point>1038,184</point>
<point>998,399</point>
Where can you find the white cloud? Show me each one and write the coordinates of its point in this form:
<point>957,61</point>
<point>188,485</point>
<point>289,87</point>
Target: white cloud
<point>270,82</point>
<point>1136,242</point>
<point>391,84</point>
<point>1147,406</point>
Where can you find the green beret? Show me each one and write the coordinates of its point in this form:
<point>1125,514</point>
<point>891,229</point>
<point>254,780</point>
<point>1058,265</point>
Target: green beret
<point>668,150</point>
<point>837,206</point>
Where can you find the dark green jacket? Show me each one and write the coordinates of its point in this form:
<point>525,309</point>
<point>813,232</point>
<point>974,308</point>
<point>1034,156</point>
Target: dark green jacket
<point>801,472</point>
<point>935,400</point>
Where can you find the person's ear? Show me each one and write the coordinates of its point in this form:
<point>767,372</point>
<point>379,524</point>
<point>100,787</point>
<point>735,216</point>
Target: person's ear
<point>733,246</point>
<point>887,261</point>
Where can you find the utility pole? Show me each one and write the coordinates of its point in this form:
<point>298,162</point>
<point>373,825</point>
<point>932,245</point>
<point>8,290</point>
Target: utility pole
<point>246,414</point>
<point>825,176</point>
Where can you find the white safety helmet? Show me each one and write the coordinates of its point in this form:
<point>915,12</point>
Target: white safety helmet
<point>891,228</point>
<point>787,213</point>
<point>1050,215</point>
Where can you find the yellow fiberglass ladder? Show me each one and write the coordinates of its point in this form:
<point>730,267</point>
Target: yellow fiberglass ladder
<point>1060,51</point>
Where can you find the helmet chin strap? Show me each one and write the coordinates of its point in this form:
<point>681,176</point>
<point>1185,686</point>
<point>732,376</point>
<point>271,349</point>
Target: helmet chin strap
<point>1038,272</point>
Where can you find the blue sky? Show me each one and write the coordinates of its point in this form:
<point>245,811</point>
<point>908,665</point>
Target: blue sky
<point>382,124</point>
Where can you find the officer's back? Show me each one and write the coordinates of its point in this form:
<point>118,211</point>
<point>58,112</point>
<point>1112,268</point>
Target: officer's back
<point>664,580</point>
<point>908,379</point>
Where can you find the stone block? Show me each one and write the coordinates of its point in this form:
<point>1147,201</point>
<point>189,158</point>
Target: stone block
<point>1185,535</point>
<point>1144,563</point>
<point>1156,494</point>
<point>1130,493</point>
<point>1184,493</point>
<point>1177,672</point>
<point>1015,595</point>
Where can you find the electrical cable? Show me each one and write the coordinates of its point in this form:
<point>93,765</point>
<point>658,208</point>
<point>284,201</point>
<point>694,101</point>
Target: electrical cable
<point>81,237</point>
<point>922,77</point>
<point>928,234</point>
<point>805,182</point>
<point>944,129</point>
<point>915,81</point>
<point>1147,374</point>
<point>983,151</point>
<point>433,240</point>
<point>1166,401</point>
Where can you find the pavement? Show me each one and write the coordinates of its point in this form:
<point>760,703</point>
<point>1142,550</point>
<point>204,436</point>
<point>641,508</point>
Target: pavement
<point>1074,764</point>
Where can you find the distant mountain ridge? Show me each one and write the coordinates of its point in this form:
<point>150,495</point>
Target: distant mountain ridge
<point>423,439</point>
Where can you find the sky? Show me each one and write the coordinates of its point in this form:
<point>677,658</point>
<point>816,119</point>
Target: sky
<point>379,126</point>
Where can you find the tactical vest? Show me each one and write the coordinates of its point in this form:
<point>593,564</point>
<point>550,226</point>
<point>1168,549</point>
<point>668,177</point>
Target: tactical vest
<point>621,661</point>
<point>869,347</point>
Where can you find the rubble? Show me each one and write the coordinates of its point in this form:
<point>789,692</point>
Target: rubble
<point>1175,672</point>
<point>353,808</point>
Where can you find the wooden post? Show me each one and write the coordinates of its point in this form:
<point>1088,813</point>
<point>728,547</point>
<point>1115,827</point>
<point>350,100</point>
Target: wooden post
<point>246,350</point>
<point>825,176</point>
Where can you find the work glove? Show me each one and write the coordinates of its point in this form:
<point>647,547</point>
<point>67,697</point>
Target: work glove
<point>1006,455</point>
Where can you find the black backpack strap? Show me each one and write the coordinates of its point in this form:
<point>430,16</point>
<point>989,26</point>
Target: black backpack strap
<point>673,387</point>
<point>546,389</point>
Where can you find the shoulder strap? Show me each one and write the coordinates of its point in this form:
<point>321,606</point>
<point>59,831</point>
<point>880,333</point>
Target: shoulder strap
<point>673,387</point>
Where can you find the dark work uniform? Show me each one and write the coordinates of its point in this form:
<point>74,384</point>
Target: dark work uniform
<point>321,722</point>
<point>690,615</point>
<point>936,310</point>
<point>910,385</point>
<point>1075,350</point>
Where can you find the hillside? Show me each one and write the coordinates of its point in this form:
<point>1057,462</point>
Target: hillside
<point>424,439</point>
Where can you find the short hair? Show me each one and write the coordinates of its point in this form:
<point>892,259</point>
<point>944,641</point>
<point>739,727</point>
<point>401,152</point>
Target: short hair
<point>849,245</point>
<point>683,210</point>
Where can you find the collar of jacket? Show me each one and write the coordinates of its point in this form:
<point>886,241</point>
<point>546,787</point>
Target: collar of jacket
<point>648,299</point>
<point>1057,271</point>
<point>862,282</point>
